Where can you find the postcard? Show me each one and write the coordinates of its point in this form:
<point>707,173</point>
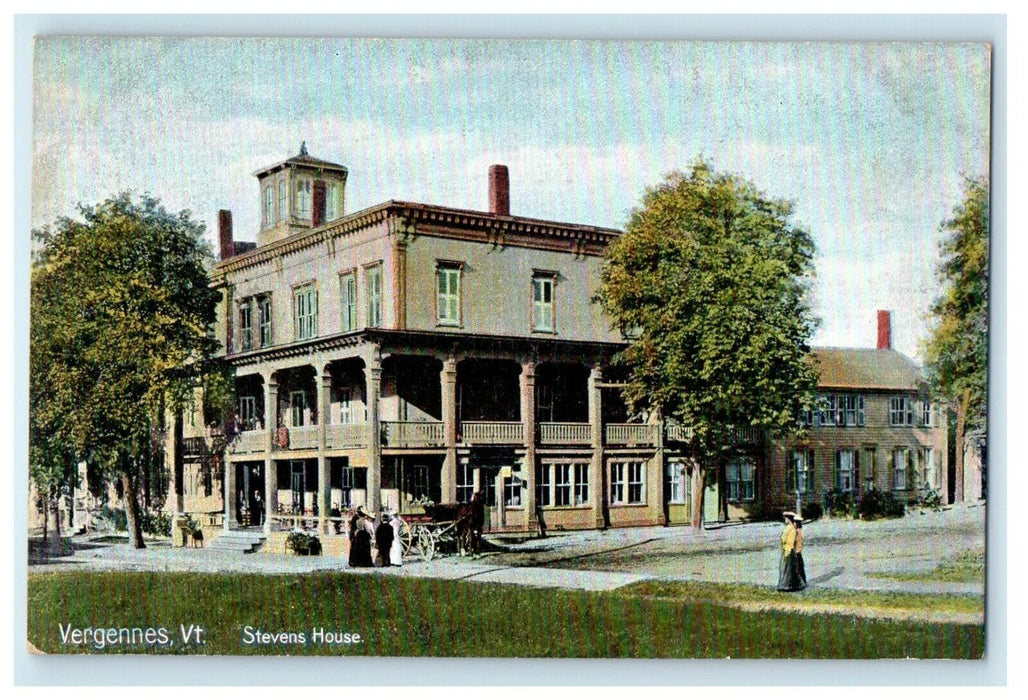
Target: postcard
<point>508,348</point>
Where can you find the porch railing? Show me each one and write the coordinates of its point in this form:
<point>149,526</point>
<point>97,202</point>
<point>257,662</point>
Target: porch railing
<point>565,433</point>
<point>249,441</point>
<point>413,433</point>
<point>491,433</point>
<point>346,435</point>
<point>631,434</point>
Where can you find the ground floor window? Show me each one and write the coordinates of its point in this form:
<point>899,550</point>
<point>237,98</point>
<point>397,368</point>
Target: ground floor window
<point>511,491</point>
<point>900,464</point>
<point>739,478</point>
<point>845,470</point>
<point>931,470</point>
<point>562,484</point>
<point>799,477</point>
<point>465,482</point>
<point>627,482</point>
<point>677,487</point>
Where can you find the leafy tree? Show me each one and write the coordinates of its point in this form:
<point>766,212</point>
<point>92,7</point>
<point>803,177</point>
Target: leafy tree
<point>957,351</point>
<point>710,281</point>
<point>121,318</point>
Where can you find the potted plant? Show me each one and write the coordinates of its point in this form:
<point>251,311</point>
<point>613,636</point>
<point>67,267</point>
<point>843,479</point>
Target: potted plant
<point>303,542</point>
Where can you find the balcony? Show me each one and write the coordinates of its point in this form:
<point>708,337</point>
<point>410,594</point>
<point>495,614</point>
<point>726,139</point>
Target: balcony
<point>345,435</point>
<point>679,433</point>
<point>491,433</point>
<point>632,434</point>
<point>565,434</point>
<point>248,441</point>
<point>303,438</point>
<point>413,434</point>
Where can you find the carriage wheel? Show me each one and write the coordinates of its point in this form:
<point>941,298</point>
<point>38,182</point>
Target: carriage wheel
<point>407,538</point>
<point>426,543</point>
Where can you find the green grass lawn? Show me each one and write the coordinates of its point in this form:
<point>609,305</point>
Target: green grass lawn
<point>432,617</point>
<point>969,567</point>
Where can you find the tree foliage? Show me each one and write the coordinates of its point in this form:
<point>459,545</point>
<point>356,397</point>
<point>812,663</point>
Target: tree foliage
<point>121,315</point>
<point>711,282</point>
<point>957,351</point>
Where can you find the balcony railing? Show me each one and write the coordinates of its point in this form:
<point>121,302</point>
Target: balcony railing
<point>679,433</point>
<point>413,434</point>
<point>490,433</point>
<point>249,441</point>
<point>631,434</point>
<point>346,435</point>
<point>303,438</point>
<point>565,433</point>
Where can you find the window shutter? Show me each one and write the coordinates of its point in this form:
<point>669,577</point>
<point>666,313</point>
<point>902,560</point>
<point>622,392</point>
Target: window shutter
<point>838,469</point>
<point>810,472</point>
<point>790,474</point>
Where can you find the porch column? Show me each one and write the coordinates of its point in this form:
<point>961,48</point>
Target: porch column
<point>230,494</point>
<point>448,377</point>
<point>324,388</point>
<point>528,421</point>
<point>658,489</point>
<point>270,469</point>
<point>597,475</point>
<point>373,382</point>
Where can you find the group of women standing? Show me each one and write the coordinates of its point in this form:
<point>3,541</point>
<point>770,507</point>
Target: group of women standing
<point>792,575</point>
<point>362,530</point>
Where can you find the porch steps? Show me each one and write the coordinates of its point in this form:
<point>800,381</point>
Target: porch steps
<point>240,541</point>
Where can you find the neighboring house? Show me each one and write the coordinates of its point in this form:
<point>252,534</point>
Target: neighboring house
<point>876,428</point>
<point>411,352</point>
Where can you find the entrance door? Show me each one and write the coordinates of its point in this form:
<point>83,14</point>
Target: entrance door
<point>297,485</point>
<point>255,494</point>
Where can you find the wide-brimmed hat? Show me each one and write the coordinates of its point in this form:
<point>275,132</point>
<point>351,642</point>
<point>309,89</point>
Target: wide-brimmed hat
<point>789,514</point>
<point>361,511</point>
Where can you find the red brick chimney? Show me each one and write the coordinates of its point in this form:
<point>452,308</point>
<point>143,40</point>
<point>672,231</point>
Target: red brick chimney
<point>884,330</point>
<point>227,246</point>
<point>499,190</point>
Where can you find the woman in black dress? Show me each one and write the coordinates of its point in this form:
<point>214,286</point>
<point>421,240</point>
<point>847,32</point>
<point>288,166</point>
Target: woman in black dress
<point>360,539</point>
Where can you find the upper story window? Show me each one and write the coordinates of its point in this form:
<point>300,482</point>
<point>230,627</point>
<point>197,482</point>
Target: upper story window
<point>348,300</point>
<point>740,473</point>
<point>245,325</point>
<point>374,281</point>
<point>333,208</point>
<point>926,413</point>
<point>248,417</point>
<point>283,200</point>
<point>447,276</point>
<point>305,312</point>
<point>298,408</point>
<point>841,410</point>
<point>901,410</point>
<point>303,199</point>
<point>269,204</point>
<point>544,403</point>
<point>264,320</point>
<point>542,302</point>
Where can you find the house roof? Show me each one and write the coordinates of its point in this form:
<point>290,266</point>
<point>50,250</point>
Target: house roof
<point>866,368</point>
<point>305,159</point>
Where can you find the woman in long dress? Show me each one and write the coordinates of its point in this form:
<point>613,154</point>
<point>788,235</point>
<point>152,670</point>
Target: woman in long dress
<point>361,530</point>
<point>797,554</point>
<point>396,551</point>
<point>788,579</point>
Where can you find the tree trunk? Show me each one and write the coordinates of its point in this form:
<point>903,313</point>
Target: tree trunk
<point>45,507</point>
<point>56,547</point>
<point>961,487</point>
<point>135,525</point>
<point>697,497</point>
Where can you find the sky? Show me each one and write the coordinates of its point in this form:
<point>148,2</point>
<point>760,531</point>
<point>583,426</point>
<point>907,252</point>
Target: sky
<point>870,141</point>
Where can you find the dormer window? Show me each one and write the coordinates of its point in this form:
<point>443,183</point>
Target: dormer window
<point>283,200</point>
<point>332,208</point>
<point>303,199</point>
<point>269,203</point>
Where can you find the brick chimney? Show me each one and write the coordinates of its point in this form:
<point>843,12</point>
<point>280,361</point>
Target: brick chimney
<point>227,246</point>
<point>884,330</point>
<point>499,190</point>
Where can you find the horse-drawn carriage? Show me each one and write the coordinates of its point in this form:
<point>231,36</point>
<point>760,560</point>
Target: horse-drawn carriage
<point>442,527</point>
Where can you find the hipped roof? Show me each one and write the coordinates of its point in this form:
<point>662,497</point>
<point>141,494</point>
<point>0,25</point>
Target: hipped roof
<point>866,368</point>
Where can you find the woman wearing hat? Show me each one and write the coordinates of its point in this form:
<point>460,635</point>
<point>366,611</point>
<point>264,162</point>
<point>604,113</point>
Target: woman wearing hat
<point>788,577</point>
<point>361,531</point>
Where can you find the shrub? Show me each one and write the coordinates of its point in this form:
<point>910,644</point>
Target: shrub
<point>303,542</point>
<point>879,504</point>
<point>812,511</point>
<point>929,498</point>
<point>116,517</point>
<point>157,524</point>
<point>840,504</point>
